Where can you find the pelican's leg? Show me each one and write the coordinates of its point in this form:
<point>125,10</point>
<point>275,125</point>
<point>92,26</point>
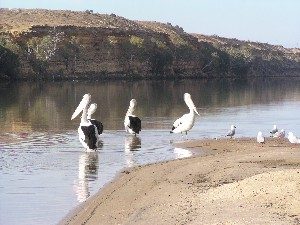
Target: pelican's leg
<point>186,135</point>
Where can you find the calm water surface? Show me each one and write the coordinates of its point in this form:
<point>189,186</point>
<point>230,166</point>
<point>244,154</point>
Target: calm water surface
<point>44,172</point>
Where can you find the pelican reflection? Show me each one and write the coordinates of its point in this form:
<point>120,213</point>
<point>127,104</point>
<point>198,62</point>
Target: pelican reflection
<point>132,143</point>
<point>182,153</point>
<point>87,171</point>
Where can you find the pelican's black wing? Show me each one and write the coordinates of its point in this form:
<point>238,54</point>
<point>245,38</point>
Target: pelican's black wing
<point>135,124</point>
<point>99,126</point>
<point>90,136</point>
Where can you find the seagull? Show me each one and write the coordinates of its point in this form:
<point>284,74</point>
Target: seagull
<point>274,130</point>
<point>186,122</point>
<point>293,139</point>
<point>260,138</point>
<point>96,123</point>
<point>88,133</point>
<point>279,134</point>
<point>231,133</point>
<point>132,123</point>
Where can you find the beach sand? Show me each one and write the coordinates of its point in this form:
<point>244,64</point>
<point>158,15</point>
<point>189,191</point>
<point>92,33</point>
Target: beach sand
<point>237,182</point>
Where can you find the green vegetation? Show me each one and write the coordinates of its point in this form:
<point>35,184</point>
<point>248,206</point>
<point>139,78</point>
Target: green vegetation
<point>159,43</point>
<point>9,60</point>
<point>9,63</point>
<point>113,40</point>
<point>137,41</point>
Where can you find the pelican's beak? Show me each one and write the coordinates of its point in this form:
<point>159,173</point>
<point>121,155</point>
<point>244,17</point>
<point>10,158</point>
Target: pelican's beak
<point>196,111</point>
<point>84,102</point>
<point>77,111</point>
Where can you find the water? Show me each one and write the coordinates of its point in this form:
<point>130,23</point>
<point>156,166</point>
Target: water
<point>44,170</point>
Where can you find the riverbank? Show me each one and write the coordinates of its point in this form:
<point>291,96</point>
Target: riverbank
<point>237,182</point>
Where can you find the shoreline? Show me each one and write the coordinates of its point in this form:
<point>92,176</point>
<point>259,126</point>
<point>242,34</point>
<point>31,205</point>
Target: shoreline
<point>232,185</point>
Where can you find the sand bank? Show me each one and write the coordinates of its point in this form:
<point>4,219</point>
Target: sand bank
<point>240,182</point>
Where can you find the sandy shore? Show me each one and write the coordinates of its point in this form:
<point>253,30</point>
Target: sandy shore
<point>240,182</point>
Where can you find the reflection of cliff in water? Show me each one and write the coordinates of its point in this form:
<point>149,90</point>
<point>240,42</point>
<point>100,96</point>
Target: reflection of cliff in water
<point>49,105</point>
<point>131,144</point>
<point>87,171</point>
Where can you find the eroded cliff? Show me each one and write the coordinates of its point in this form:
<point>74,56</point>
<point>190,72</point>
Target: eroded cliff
<point>47,44</point>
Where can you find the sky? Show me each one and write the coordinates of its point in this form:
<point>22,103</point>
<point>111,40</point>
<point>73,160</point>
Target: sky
<point>268,21</point>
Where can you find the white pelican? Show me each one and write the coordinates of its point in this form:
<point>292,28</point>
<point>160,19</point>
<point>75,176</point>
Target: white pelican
<point>260,138</point>
<point>231,132</point>
<point>97,123</point>
<point>274,130</point>
<point>132,123</point>
<point>88,133</point>
<point>186,122</point>
<point>279,134</point>
<point>293,139</point>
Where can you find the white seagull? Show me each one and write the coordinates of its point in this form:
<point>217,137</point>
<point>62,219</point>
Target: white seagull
<point>231,132</point>
<point>97,123</point>
<point>293,139</point>
<point>274,130</point>
<point>88,133</point>
<point>132,123</point>
<point>279,134</point>
<point>186,122</point>
<point>260,138</point>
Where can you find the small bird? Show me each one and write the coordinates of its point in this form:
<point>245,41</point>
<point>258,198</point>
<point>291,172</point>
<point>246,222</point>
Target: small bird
<point>132,123</point>
<point>260,138</point>
<point>274,130</point>
<point>293,139</point>
<point>97,123</point>
<point>231,132</point>
<point>279,134</point>
<point>186,122</point>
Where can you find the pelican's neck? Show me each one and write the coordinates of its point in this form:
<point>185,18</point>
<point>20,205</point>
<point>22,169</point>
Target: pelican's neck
<point>89,116</point>
<point>84,116</point>
<point>192,112</point>
<point>130,111</point>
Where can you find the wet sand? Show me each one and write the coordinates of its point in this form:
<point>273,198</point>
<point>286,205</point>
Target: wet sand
<point>237,182</point>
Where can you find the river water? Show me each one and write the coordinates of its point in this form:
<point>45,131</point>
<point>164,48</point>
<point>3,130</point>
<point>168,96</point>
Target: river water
<point>44,171</point>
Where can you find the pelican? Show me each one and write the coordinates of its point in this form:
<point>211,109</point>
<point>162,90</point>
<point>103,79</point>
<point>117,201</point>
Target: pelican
<point>260,138</point>
<point>293,139</point>
<point>132,123</point>
<point>96,123</point>
<point>279,134</point>
<point>186,122</point>
<point>231,132</point>
<point>274,130</point>
<point>88,133</point>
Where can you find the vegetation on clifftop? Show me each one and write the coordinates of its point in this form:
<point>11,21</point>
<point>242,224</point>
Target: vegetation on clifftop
<point>52,44</point>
